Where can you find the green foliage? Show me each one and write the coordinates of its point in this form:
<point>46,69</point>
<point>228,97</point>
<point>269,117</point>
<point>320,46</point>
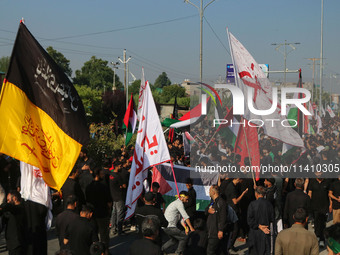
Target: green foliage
<point>162,81</point>
<point>134,87</point>
<point>4,63</point>
<point>60,59</point>
<point>92,101</point>
<point>96,74</point>
<point>105,142</point>
<point>172,91</point>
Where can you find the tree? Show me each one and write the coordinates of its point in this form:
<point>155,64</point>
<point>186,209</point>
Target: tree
<point>92,101</point>
<point>134,87</point>
<point>172,91</point>
<point>96,74</point>
<point>162,81</point>
<point>4,63</point>
<point>60,59</point>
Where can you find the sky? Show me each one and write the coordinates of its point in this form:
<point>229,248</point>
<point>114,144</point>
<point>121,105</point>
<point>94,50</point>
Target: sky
<point>163,35</point>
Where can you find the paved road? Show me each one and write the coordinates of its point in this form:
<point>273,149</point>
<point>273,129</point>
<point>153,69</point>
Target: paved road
<point>118,244</point>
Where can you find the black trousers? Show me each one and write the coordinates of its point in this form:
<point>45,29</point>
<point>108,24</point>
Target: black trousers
<point>320,220</point>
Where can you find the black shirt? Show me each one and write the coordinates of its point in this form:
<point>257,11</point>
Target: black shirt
<point>319,199</point>
<point>116,182</point>
<point>62,221</point>
<point>144,247</point>
<point>98,194</point>
<point>81,235</point>
<point>146,210</point>
<point>72,187</point>
<point>190,207</point>
<point>15,220</point>
<point>231,192</point>
<point>159,200</point>
<point>335,187</point>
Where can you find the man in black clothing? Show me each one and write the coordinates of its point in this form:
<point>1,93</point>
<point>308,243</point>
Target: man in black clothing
<point>148,210</point>
<point>147,245</point>
<point>318,192</point>
<point>117,187</point>
<point>159,200</point>
<point>15,219</point>
<point>334,194</point>
<point>80,234</point>
<point>233,199</point>
<point>72,187</point>
<point>98,194</point>
<point>190,207</point>
<point>294,200</point>
<point>261,223</point>
<point>216,222</point>
<point>65,218</point>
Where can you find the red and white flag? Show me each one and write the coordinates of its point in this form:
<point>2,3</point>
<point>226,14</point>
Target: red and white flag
<point>250,75</point>
<point>150,149</point>
<point>330,111</point>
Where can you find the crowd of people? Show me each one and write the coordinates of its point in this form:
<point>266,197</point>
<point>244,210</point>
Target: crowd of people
<point>270,215</point>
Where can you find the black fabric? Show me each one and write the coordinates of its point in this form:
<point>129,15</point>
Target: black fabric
<point>232,192</point>
<point>46,85</point>
<point>72,187</point>
<point>146,210</point>
<point>62,221</point>
<point>116,189</point>
<point>159,200</point>
<point>223,187</point>
<point>218,221</point>
<point>84,179</point>
<point>319,199</point>
<point>197,243</point>
<point>80,234</point>
<point>335,187</point>
<point>320,220</point>
<point>190,206</point>
<point>37,236</point>
<point>15,219</point>
<point>260,212</point>
<point>98,194</point>
<point>144,247</point>
<point>294,200</point>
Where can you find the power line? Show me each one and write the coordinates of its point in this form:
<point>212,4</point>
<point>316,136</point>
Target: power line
<point>217,36</point>
<point>126,28</point>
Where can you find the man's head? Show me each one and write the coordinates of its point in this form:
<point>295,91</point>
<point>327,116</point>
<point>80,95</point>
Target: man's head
<point>300,216</point>
<point>214,191</point>
<point>86,211</point>
<point>299,183</point>
<point>332,235</point>
<point>150,227</point>
<point>149,198</point>
<point>184,196</point>
<point>260,191</point>
<point>188,183</point>
<point>155,187</point>
<point>14,197</point>
<point>71,202</point>
<point>269,182</point>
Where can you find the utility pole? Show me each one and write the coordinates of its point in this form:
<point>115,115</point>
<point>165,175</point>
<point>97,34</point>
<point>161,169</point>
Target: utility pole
<point>201,12</point>
<point>125,61</point>
<point>115,66</point>
<point>285,53</point>
<point>313,76</point>
<point>321,56</point>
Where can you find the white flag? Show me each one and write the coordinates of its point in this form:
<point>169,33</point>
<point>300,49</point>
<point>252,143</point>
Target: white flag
<point>150,149</point>
<point>250,75</point>
<point>141,95</point>
<point>330,111</point>
<point>318,124</point>
<point>323,111</point>
<point>34,188</point>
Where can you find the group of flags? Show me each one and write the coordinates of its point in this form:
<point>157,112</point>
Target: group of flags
<point>44,125</point>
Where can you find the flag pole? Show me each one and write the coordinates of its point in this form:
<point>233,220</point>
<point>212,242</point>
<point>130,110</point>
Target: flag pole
<point>173,173</point>
<point>236,81</point>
